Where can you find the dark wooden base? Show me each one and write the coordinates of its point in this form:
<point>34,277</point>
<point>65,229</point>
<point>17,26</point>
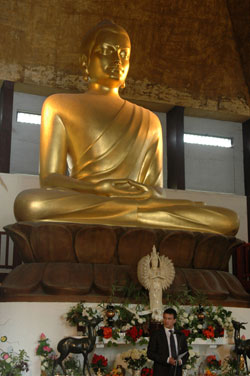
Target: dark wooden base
<point>74,282</point>
<point>72,262</point>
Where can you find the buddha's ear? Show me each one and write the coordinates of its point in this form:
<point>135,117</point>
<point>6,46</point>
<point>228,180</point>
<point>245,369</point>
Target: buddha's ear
<point>84,64</point>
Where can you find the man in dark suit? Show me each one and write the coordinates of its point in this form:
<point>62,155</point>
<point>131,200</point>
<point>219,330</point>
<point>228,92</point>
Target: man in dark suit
<point>167,347</point>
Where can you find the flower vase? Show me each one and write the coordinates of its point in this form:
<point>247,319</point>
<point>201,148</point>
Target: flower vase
<point>136,372</point>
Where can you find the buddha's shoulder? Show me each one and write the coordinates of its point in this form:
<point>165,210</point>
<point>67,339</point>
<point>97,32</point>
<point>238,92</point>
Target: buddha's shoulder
<point>62,100</point>
<point>147,113</point>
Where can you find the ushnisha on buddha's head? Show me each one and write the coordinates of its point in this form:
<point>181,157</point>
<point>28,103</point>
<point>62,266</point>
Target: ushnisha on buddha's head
<point>105,55</point>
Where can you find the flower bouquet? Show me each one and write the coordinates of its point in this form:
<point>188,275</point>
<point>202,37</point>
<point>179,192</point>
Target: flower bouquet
<point>46,354</point>
<point>192,360</point>
<point>80,313</point>
<point>99,362</point>
<point>215,320</point>
<point>13,363</point>
<point>135,358</point>
<point>212,365</point>
<point>133,334</point>
<point>108,333</point>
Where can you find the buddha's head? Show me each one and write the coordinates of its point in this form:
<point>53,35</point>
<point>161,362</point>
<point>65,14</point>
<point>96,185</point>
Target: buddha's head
<point>106,52</point>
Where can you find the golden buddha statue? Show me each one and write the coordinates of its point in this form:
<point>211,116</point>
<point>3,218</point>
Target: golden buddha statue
<point>114,153</point>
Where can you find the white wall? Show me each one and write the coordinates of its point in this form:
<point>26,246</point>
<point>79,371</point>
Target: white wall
<point>25,137</point>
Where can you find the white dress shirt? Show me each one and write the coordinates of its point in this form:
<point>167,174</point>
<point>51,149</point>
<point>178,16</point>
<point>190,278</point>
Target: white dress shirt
<point>167,331</point>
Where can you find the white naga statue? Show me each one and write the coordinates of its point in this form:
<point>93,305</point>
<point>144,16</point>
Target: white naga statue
<point>155,273</point>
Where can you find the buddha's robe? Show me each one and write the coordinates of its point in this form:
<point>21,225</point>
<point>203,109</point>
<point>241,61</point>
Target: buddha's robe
<point>129,146</point>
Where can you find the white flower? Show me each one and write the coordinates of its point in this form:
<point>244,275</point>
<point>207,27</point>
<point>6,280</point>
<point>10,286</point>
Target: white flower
<point>186,321</point>
<point>42,368</point>
<point>199,326</point>
<point>185,314</point>
<point>8,360</point>
<point>126,327</point>
<point>140,321</point>
<point>188,366</point>
<point>135,354</point>
<point>133,322</point>
<point>126,354</point>
<point>191,317</point>
<point>195,330</point>
<point>191,353</point>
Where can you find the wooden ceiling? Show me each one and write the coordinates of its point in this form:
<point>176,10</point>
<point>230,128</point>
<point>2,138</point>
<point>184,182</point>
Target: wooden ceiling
<point>190,53</point>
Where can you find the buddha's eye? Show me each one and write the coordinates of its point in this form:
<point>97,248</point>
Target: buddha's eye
<point>107,50</point>
<point>124,54</point>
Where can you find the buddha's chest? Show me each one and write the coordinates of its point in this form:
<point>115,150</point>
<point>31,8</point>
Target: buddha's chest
<point>98,130</point>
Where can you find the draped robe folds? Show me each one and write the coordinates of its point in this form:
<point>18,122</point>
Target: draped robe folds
<point>128,147</point>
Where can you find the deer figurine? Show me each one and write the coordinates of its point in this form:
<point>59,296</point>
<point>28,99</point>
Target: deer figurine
<point>83,345</point>
<point>242,347</point>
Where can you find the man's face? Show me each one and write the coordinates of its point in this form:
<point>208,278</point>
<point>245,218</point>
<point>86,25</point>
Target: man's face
<point>109,59</point>
<point>168,320</point>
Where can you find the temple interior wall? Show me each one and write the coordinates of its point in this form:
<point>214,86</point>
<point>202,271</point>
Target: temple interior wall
<point>48,318</point>
<point>209,168</point>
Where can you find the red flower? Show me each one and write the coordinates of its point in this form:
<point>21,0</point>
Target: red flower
<point>212,362</point>
<point>99,361</point>
<point>210,358</point>
<point>186,332</point>
<point>209,332</point>
<point>146,371</point>
<point>107,332</point>
<point>134,333</point>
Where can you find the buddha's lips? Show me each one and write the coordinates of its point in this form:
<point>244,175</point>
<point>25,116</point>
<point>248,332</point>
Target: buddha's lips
<point>115,69</point>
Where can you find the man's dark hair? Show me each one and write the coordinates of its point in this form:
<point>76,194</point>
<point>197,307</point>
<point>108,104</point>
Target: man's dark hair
<point>170,311</point>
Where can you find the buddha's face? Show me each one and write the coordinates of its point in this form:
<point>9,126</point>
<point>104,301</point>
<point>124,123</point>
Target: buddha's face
<point>109,60</point>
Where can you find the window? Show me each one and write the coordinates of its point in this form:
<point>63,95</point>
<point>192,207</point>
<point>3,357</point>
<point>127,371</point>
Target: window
<point>28,118</point>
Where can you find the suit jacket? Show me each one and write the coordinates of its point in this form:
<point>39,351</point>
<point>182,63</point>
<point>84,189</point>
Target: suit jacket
<point>158,351</point>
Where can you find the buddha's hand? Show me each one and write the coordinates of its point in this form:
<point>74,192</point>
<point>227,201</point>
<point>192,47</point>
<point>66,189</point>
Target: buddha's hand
<point>125,188</point>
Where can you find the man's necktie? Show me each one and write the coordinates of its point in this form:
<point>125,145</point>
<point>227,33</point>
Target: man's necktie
<point>172,345</point>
